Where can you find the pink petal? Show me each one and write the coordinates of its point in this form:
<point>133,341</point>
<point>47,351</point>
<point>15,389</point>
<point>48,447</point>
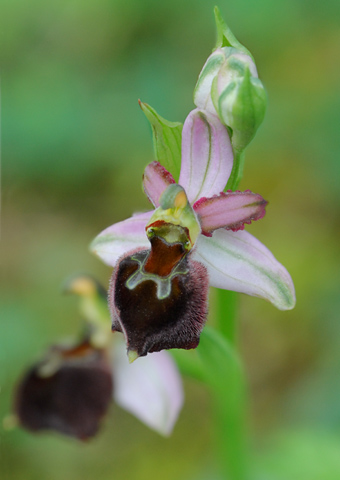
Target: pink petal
<point>229,210</point>
<point>207,156</point>
<point>121,237</point>
<point>238,261</point>
<point>150,388</point>
<point>155,180</point>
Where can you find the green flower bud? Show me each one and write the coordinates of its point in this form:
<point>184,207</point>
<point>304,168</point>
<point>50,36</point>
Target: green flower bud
<point>241,106</point>
<point>223,66</point>
<point>228,86</point>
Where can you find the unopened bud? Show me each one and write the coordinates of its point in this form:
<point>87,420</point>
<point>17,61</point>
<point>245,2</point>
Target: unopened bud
<point>228,87</point>
<point>241,106</point>
<point>222,67</point>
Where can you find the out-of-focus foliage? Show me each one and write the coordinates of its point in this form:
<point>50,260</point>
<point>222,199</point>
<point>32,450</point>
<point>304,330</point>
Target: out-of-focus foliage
<point>74,147</point>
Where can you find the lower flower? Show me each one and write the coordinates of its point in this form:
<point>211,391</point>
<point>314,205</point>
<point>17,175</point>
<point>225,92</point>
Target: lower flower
<point>69,391</point>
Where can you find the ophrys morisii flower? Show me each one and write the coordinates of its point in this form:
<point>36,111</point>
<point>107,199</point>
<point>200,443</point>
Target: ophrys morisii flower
<point>158,295</point>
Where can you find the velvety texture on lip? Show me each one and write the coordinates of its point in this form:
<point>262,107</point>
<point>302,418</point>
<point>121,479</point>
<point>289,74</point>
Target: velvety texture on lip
<point>72,399</point>
<point>151,324</point>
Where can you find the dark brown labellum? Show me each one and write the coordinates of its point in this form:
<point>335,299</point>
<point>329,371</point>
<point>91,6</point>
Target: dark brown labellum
<point>69,391</point>
<point>158,312</point>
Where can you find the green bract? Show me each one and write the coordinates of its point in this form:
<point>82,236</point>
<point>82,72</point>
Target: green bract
<point>167,137</point>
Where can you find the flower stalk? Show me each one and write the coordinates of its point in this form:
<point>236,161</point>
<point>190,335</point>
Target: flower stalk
<point>227,314</point>
<point>237,171</point>
<point>216,365</point>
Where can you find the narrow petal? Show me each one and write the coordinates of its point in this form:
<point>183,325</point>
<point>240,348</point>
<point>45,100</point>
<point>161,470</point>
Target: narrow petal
<point>150,388</point>
<point>155,180</point>
<point>120,238</point>
<point>229,210</point>
<point>207,156</point>
<point>238,261</point>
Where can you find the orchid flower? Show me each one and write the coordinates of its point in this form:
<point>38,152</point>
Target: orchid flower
<point>70,389</point>
<point>209,236</point>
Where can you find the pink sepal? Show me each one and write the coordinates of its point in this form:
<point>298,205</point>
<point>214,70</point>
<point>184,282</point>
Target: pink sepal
<point>239,262</point>
<point>121,237</point>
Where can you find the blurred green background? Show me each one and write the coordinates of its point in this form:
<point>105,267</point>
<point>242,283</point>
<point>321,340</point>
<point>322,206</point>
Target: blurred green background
<point>74,147</point>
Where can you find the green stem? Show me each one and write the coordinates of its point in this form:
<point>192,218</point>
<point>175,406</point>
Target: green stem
<point>216,363</point>
<point>237,170</point>
<point>225,377</point>
<point>229,400</point>
<point>227,306</point>
<point>230,432</point>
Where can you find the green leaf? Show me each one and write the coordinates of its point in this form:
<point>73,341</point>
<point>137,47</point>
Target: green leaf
<point>224,375</point>
<point>167,139</point>
<point>189,363</point>
<point>222,368</point>
<point>225,37</point>
<point>226,311</point>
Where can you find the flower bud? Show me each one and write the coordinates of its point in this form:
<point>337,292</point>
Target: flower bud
<point>223,66</point>
<point>228,86</point>
<point>241,106</point>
